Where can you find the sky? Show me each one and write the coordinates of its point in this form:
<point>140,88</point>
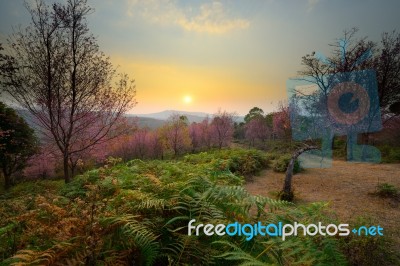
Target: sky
<point>202,56</point>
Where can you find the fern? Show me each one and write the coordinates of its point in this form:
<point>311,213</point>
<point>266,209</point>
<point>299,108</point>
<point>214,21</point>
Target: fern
<point>137,233</point>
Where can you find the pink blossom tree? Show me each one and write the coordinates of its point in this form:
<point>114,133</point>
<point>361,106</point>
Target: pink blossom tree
<point>154,145</point>
<point>281,122</point>
<point>222,128</point>
<point>257,129</point>
<point>42,164</point>
<point>200,135</point>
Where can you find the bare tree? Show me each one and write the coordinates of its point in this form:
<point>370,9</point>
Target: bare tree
<point>352,54</point>
<point>387,65</point>
<point>59,74</point>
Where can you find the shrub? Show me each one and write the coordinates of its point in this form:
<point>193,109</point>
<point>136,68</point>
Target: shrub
<point>367,250</point>
<point>280,164</point>
<point>386,190</point>
<point>390,154</point>
<point>238,161</point>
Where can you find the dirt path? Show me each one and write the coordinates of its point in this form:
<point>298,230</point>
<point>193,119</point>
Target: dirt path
<point>348,187</point>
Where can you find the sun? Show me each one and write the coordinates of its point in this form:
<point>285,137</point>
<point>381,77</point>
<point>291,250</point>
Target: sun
<point>187,99</point>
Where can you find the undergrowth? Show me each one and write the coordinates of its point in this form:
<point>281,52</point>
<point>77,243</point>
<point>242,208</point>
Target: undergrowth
<point>137,213</point>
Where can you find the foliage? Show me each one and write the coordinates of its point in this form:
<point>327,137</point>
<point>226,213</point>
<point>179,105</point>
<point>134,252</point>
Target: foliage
<point>17,143</point>
<point>368,250</point>
<point>138,212</point>
<point>254,112</point>
<point>281,122</point>
<point>238,161</point>
<point>222,128</point>
<point>175,134</point>
<point>390,153</point>
<point>386,190</point>
<point>280,164</point>
<point>257,129</point>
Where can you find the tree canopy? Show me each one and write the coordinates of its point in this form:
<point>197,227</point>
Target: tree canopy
<point>17,143</point>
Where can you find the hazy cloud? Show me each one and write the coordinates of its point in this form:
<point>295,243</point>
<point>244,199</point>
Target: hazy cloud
<point>209,17</point>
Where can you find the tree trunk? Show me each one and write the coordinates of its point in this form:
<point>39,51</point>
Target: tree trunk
<point>7,181</point>
<point>65,165</point>
<point>287,193</point>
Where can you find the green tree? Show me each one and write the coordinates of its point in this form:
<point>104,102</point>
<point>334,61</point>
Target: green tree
<point>254,112</point>
<point>17,143</point>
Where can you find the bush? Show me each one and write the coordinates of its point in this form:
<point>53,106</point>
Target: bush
<point>390,154</point>
<point>368,250</point>
<point>280,164</point>
<point>238,161</point>
<point>386,190</point>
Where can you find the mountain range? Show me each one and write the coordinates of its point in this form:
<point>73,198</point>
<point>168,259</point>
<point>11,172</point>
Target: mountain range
<point>154,120</point>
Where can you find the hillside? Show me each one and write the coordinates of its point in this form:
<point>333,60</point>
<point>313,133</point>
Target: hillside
<point>138,212</point>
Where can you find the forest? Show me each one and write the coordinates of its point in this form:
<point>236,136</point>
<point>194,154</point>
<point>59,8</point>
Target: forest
<point>83,183</point>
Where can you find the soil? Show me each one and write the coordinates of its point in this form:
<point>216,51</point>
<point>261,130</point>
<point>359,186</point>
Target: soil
<point>348,187</point>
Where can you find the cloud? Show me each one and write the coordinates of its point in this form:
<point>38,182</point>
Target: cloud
<point>208,17</point>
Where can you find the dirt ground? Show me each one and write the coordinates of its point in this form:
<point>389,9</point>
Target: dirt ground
<point>348,187</point>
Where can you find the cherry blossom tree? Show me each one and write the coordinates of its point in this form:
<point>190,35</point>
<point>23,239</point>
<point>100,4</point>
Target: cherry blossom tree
<point>200,134</point>
<point>154,145</point>
<point>222,128</point>
<point>257,129</point>
<point>59,75</point>
<point>281,122</point>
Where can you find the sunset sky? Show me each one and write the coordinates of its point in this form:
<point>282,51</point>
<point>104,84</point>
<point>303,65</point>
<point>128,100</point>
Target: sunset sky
<point>206,55</point>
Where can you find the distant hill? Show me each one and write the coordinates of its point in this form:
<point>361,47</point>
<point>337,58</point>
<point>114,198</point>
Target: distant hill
<point>152,121</point>
<point>192,116</point>
<point>164,115</point>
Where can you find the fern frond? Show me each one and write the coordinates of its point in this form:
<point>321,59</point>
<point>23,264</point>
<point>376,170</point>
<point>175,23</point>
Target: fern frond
<point>138,233</point>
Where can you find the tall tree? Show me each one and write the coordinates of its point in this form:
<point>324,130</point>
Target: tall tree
<point>176,134</point>
<point>60,75</point>
<point>253,113</point>
<point>222,128</point>
<point>351,54</point>
<point>200,135</point>
<point>257,129</point>
<point>17,143</point>
<point>281,122</point>
<point>387,64</point>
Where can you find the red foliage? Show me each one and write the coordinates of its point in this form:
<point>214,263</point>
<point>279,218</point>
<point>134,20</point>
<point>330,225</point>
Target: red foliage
<point>281,123</point>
